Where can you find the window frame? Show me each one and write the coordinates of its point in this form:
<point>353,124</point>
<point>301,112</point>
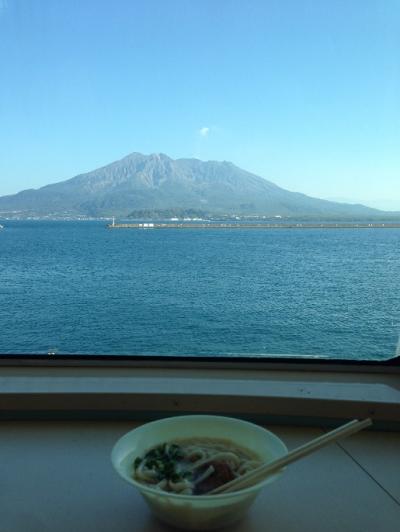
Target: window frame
<point>277,391</point>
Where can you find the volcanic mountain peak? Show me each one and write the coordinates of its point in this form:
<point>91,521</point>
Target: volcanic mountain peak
<point>157,182</point>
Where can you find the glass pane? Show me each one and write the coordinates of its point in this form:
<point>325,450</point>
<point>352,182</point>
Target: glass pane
<point>200,178</point>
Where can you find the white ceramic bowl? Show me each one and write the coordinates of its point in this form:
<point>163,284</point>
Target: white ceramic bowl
<point>197,512</point>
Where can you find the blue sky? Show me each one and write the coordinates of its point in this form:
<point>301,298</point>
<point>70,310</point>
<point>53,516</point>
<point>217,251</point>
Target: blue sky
<point>302,92</point>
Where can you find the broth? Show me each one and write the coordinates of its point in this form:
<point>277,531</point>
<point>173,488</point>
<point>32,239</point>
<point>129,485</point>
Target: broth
<point>193,466</point>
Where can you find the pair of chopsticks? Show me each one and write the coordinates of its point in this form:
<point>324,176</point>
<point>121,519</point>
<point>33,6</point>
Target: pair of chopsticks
<point>252,477</point>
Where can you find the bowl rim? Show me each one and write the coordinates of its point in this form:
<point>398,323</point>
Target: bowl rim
<point>178,496</point>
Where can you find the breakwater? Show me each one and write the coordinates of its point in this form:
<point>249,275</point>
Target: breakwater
<point>215,225</point>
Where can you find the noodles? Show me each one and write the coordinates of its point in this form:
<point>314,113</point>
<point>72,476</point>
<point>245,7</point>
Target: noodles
<point>193,466</point>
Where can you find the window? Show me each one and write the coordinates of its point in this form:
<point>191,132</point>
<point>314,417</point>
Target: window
<point>206,179</point>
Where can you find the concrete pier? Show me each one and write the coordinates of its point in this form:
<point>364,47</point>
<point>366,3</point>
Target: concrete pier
<point>222,225</point>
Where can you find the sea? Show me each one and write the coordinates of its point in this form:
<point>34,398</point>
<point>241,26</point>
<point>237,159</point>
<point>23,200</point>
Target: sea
<point>80,288</point>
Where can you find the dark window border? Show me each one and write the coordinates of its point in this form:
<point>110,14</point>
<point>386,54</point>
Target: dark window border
<point>289,363</point>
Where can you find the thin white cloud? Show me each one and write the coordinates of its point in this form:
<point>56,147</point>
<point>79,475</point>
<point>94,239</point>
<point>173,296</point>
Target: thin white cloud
<point>204,131</point>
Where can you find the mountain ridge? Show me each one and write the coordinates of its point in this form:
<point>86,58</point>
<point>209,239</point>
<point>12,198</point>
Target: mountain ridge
<point>158,182</point>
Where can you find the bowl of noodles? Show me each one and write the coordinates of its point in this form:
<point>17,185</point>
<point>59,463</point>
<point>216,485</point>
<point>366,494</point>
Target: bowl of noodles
<point>177,462</point>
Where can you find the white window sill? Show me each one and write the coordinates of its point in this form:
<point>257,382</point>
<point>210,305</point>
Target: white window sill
<point>269,395</point>
<point>57,474</point>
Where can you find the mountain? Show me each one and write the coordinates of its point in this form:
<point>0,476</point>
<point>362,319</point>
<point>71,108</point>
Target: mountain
<point>157,182</point>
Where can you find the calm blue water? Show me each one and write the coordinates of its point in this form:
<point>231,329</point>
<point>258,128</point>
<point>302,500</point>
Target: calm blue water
<point>77,287</point>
